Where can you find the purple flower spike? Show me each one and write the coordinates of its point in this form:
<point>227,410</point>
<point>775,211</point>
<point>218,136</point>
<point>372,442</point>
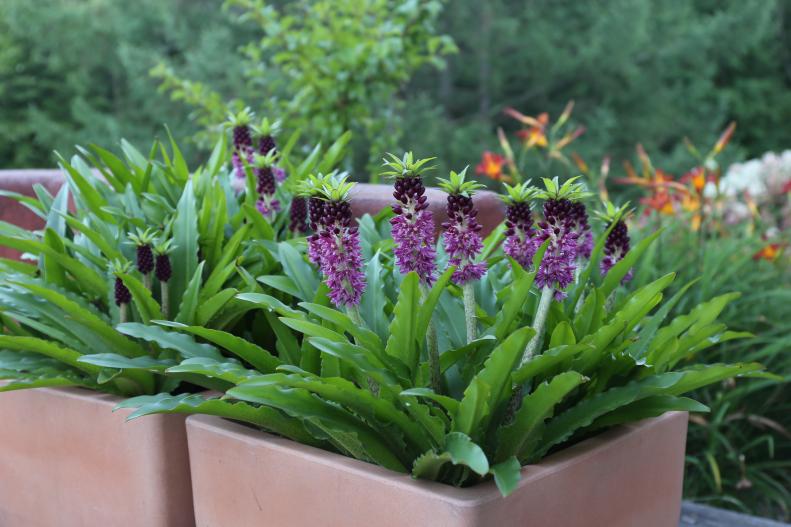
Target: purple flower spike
<point>463,240</point>
<point>615,248</point>
<point>335,246</point>
<point>520,243</point>
<point>560,259</point>
<point>279,173</point>
<point>298,215</point>
<point>579,219</point>
<point>242,147</point>
<point>413,229</point>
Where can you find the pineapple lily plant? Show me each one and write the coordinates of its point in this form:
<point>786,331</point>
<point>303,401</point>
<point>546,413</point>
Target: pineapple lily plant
<point>145,241</point>
<point>459,361</point>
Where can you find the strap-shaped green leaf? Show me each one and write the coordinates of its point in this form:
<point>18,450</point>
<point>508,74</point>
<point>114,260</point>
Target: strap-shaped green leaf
<point>459,449</point>
<point>180,342</point>
<point>348,432</point>
<point>261,359</point>
<point>521,436</point>
<point>146,305</point>
<point>189,302</point>
<point>403,343</point>
<point>262,416</point>
<point>184,257</point>
<point>492,386</point>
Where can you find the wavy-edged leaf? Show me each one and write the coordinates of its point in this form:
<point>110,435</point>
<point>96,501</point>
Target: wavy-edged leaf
<point>211,306</point>
<point>491,387</point>
<point>396,426</point>
<point>345,430</point>
<point>146,305</point>
<point>584,413</point>
<point>84,316</point>
<point>459,449</point>
<point>524,433</point>
<point>225,370</point>
<point>190,300</point>
<point>262,416</point>
<point>648,407</point>
<point>261,359</point>
<point>113,360</point>
<point>402,343</point>
<point>180,342</point>
<point>49,349</point>
<point>507,475</point>
<point>448,403</point>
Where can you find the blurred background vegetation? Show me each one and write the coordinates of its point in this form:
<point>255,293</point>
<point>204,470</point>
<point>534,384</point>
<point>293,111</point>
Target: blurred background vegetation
<point>649,71</point>
<point>435,77</point>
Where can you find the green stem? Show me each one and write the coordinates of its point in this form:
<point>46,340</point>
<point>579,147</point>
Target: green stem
<point>165,299</point>
<point>148,281</point>
<point>433,353</point>
<point>469,311</point>
<point>122,313</point>
<point>539,321</point>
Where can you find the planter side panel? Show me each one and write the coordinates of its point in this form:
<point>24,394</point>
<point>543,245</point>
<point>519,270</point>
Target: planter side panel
<point>66,459</point>
<point>627,477</point>
<point>620,480</point>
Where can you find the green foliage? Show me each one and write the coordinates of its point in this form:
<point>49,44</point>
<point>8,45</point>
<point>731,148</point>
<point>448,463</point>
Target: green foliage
<point>326,67</point>
<point>738,454</point>
<point>74,72</point>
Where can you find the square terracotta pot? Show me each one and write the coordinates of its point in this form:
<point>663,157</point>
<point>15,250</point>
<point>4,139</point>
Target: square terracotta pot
<point>626,477</point>
<point>66,459</point>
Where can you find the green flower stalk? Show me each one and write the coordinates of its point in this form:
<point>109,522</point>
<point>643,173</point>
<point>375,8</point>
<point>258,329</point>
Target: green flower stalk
<point>463,241</point>
<point>163,272</point>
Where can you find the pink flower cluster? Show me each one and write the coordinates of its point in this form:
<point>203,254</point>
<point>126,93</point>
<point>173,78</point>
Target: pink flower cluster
<point>413,230</point>
<point>335,247</point>
<point>463,240</point>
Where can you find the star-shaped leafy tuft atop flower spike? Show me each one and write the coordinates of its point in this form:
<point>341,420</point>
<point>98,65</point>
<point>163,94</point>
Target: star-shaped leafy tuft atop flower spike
<point>265,161</point>
<point>241,118</point>
<point>407,166</point>
<point>456,184</point>
<point>570,190</point>
<point>611,214</point>
<point>520,193</point>
<point>267,127</point>
<point>142,237</point>
<point>119,266</point>
<point>331,187</point>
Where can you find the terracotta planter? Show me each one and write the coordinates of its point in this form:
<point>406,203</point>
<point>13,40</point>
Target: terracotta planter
<point>66,459</point>
<point>22,181</point>
<point>370,198</point>
<point>628,476</point>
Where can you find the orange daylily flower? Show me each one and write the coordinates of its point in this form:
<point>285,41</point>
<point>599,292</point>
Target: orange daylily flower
<point>491,166</point>
<point>697,177</point>
<point>536,134</point>
<point>769,253</point>
<point>660,202</point>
